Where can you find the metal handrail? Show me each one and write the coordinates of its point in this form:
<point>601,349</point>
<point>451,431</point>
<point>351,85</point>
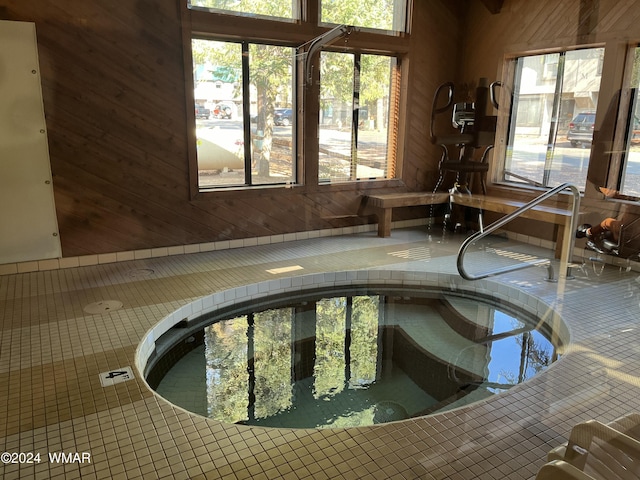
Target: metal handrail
<point>568,239</point>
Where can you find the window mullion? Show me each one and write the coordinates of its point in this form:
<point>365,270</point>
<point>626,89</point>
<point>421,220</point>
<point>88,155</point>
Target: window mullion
<point>553,127</point>
<point>246,112</point>
<point>513,117</point>
<point>355,116</point>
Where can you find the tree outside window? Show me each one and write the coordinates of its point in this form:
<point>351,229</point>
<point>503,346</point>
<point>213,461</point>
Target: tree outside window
<point>269,8</point>
<point>241,141</point>
<point>245,94</point>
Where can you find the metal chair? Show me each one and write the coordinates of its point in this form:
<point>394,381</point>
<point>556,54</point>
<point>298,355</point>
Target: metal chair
<point>627,247</point>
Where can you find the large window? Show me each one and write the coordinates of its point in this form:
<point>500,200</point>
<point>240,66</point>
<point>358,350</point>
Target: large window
<point>244,115</point>
<point>253,125</point>
<point>629,176</point>
<point>375,14</point>
<point>354,123</point>
<point>553,117</point>
<point>284,9</point>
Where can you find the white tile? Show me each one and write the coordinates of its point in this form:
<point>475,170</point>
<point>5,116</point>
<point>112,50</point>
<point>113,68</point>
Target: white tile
<point>107,258</point>
<point>176,250</point>
<point>125,256</point>
<point>51,264</point>
<point>87,260</point>
<point>142,254</point>
<point>8,269</point>
<point>159,252</point>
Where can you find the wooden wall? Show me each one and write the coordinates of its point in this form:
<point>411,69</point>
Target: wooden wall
<point>523,26</point>
<point>527,26</point>
<point>114,96</point>
<point>113,87</point>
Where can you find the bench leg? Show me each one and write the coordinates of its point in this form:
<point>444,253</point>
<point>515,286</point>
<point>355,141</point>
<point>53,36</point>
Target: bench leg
<point>384,222</point>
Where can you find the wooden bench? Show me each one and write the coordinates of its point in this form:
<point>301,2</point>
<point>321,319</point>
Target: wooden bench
<point>384,204</point>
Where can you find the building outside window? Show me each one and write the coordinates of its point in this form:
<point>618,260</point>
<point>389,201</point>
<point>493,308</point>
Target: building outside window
<point>552,120</point>
<point>629,174</point>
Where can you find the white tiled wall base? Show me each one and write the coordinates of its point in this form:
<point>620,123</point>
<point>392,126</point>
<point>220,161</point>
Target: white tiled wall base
<point>86,260</point>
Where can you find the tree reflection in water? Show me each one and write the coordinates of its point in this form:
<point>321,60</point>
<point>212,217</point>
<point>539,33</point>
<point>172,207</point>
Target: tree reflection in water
<point>361,359</point>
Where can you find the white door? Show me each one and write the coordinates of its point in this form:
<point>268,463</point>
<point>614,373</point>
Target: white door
<point>28,225</point>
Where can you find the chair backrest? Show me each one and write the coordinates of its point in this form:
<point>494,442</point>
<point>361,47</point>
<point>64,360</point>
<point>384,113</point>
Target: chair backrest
<point>608,462</point>
<point>629,242</point>
<point>606,452</point>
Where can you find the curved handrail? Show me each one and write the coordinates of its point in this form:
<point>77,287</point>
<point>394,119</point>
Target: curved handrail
<point>325,39</point>
<point>568,238</point>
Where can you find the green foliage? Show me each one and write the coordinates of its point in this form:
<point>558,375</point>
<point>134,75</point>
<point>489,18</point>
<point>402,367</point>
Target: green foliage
<point>364,345</point>
<point>375,75</point>
<point>635,80</point>
<point>271,70</point>
<point>329,366</point>
<point>272,345</point>
<point>224,55</point>
<point>363,13</point>
<point>336,73</point>
<point>275,8</point>
<point>226,361</point>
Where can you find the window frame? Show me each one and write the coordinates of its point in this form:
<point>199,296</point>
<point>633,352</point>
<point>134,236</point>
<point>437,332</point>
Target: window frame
<point>624,129</point>
<point>607,164</point>
<point>247,135</point>
<point>215,25</point>
<point>399,18</point>
<point>503,131</point>
<point>358,74</point>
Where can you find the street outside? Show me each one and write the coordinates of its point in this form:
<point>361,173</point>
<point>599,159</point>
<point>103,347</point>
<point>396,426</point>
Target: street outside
<point>221,161</point>
<point>569,164</point>
<point>219,165</point>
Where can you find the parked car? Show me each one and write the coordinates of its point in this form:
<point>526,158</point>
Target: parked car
<point>224,110</point>
<point>202,111</point>
<point>635,131</point>
<point>282,116</point>
<point>581,129</point>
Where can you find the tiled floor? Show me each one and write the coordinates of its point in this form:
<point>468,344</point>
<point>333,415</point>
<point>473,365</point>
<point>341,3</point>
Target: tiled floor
<point>53,348</point>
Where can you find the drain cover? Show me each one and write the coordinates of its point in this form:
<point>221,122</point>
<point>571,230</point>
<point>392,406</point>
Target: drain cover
<point>103,306</point>
<point>389,412</point>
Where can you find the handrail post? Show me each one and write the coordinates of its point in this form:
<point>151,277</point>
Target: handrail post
<point>568,239</point>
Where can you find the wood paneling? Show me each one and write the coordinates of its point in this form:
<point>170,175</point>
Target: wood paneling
<point>436,39</point>
<point>114,95</point>
<point>524,26</point>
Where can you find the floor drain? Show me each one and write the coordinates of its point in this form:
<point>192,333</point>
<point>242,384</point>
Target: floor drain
<point>388,412</point>
<point>103,306</point>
